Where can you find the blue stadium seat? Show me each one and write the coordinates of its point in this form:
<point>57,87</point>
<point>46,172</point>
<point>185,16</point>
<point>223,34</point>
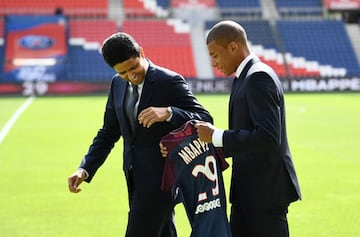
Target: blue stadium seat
<point>323,41</point>
<point>238,3</point>
<point>296,7</point>
<point>263,43</point>
<point>2,48</point>
<point>87,65</point>
<point>163,3</point>
<point>258,32</point>
<point>1,60</point>
<point>230,8</point>
<point>297,3</point>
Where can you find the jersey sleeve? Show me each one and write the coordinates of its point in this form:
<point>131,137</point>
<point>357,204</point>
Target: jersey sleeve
<point>170,141</point>
<point>221,158</point>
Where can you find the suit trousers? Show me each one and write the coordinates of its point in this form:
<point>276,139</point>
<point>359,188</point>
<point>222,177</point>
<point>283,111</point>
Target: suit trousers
<point>259,223</point>
<point>150,214</point>
<point>152,224</point>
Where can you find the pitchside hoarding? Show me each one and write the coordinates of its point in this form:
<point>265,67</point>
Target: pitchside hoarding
<point>35,48</point>
<point>215,86</point>
<point>342,4</point>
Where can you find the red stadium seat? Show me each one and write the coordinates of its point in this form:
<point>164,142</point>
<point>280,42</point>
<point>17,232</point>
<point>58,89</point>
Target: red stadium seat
<point>279,68</point>
<point>302,72</point>
<point>70,7</point>
<point>163,44</point>
<point>2,29</point>
<point>135,8</point>
<point>95,30</point>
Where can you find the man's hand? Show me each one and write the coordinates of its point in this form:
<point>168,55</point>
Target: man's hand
<point>205,131</point>
<point>151,115</point>
<point>163,150</point>
<point>75,180</point>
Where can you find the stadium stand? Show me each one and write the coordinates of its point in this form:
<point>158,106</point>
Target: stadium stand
<point>263,43</point>
<point>2,49</point>
<point>164,3</point>
<point>1,28</point>
<point>135,8</point>
<point>86,37</point>
<point>87,65</point>
<point>298,42</point>
<point>166,42</point>
<point>236,8</point>
<point>295,7</point>
<point>150,8</point>
<point>74,8</point>
<point>194,4</point>
<point>93,30</point>
<point>322,45</point>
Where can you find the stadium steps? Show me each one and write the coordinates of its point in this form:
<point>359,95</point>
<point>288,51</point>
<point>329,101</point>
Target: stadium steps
<point>353,31</point>
<point>201,56</point>
<point>115,10</point>
<point>269,10</point>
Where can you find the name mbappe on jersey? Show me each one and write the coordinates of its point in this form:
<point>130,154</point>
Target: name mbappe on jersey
<point>195,167</point>
<point>192,150</point>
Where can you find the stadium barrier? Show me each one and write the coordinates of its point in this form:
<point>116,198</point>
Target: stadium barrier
<point>215,86</point>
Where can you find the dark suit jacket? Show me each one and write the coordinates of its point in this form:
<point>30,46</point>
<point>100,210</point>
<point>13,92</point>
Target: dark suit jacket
<point>141,152</point>
<point>263,174</point>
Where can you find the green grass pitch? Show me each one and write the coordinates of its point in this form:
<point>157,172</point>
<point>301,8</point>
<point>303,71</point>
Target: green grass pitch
<point>47,142</point>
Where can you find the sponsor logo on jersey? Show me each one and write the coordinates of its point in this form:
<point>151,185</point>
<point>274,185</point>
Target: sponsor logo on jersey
<point>208,206</point>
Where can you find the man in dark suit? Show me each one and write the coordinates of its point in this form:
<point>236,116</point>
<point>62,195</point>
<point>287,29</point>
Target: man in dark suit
<point>264,181</point>
<point>164,103</point>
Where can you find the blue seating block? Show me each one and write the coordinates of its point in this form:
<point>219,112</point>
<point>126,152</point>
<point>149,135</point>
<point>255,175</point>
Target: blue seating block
<point>258,32</point>
<point>229,8</point>
<point>325,41</point>
<point>87,65</point>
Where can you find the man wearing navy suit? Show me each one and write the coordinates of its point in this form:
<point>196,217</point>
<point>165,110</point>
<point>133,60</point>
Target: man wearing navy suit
<point>264,181</point>
<point>164,103</point>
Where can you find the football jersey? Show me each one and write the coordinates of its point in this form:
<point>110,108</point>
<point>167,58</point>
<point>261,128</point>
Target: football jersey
<point>195,167</point>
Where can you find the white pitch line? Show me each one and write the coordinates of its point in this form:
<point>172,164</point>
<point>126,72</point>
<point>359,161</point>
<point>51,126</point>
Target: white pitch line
<point>5,130</point>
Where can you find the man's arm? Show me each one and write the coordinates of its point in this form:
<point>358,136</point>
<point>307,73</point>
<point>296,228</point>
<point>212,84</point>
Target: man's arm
<point>264,104</point>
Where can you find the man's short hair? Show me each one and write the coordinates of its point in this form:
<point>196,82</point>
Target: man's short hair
<point>118,48</point>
